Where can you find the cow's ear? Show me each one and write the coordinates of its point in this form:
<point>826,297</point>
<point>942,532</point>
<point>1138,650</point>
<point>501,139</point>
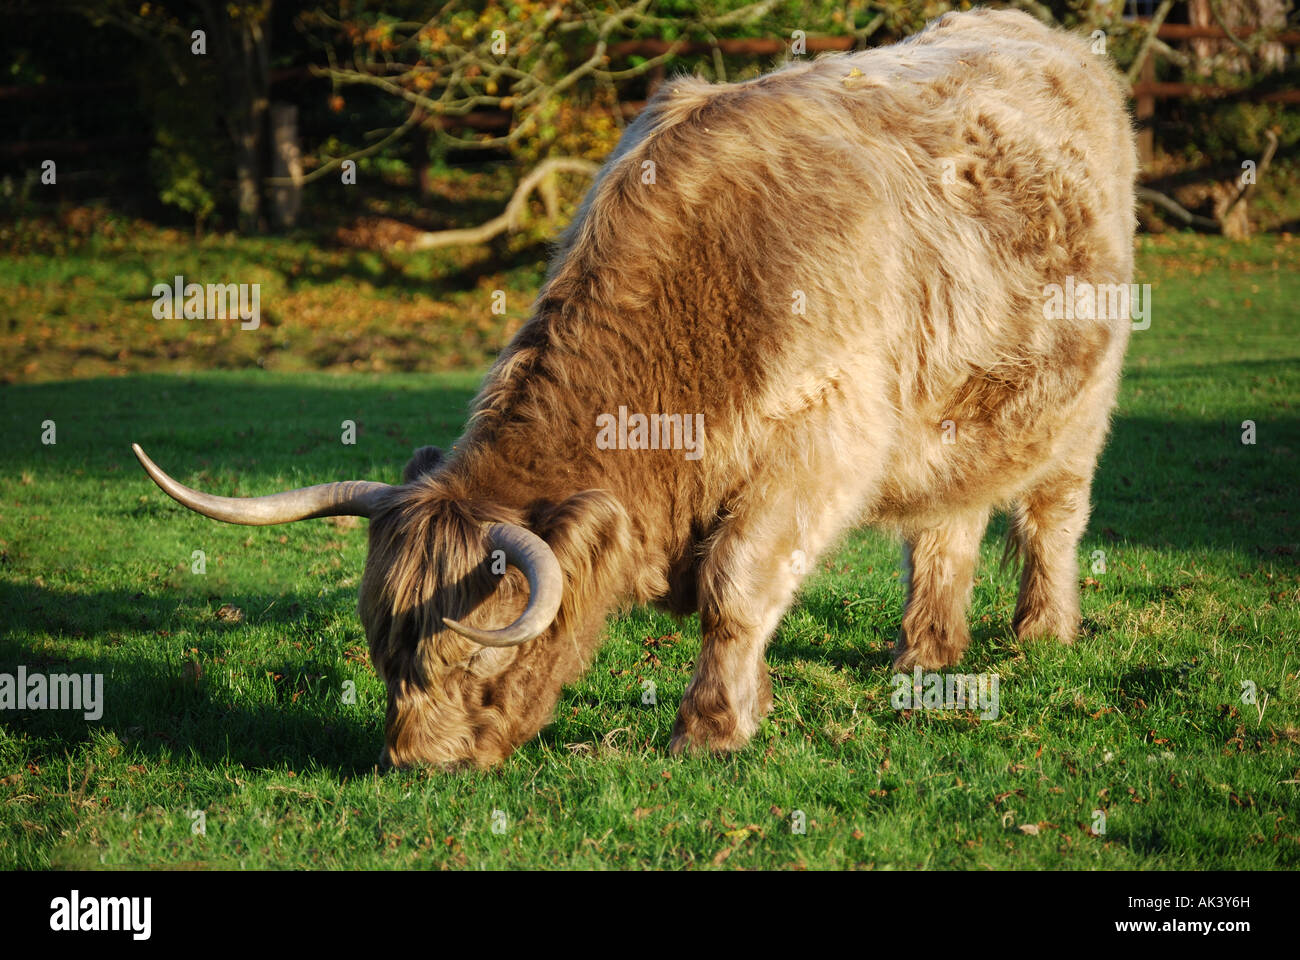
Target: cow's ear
<point>425,460</point>
<point>589,523</point>
<point>590,535</point>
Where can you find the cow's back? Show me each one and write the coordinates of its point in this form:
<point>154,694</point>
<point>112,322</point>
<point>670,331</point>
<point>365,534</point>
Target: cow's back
<point>861,240</point>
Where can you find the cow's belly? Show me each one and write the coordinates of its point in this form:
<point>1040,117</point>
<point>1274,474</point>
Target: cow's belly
<point>990,441</point>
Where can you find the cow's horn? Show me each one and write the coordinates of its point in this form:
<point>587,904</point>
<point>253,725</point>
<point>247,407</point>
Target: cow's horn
<point>528,552</point>
<point>354,498</point>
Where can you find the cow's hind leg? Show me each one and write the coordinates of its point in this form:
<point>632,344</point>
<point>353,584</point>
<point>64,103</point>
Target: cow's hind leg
<point>941,561</point>
<point>1047,525</point>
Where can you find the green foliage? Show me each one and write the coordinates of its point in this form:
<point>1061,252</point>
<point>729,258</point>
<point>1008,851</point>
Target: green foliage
<point>180,102</point>
<point>1237,129</point>
<point>183,181</point>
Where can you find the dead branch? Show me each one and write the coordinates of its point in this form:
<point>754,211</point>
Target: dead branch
<point>510,218</point>
<point>1170,205</point>
<point>1249,188</point>
<point>1219,223</point>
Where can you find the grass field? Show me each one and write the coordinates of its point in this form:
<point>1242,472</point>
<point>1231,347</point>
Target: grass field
<point>240,714</point>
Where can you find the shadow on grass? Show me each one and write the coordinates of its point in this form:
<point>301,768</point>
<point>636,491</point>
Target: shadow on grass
<point>1183,484</point>
<point>276,423</point>
<point>160,704</point>
<point>390,274</point>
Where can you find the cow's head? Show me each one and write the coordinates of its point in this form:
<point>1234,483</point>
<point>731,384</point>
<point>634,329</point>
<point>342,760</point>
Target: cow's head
<point>454,590</point>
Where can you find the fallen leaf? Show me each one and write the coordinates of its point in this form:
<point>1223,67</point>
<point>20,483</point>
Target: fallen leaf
<point>230,613</point>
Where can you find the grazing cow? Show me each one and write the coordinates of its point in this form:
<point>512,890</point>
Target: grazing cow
<point>787,306</point>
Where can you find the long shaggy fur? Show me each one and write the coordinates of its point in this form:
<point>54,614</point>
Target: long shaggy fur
<point>916,200</point>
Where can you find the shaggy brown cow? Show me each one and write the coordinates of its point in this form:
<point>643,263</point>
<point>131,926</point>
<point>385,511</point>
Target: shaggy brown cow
<point>829,285</point>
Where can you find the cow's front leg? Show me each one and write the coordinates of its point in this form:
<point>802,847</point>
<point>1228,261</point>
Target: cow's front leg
<point>941,566</point>
<point>749,576</point>
<point>729,694</point>
<point>746,585</point>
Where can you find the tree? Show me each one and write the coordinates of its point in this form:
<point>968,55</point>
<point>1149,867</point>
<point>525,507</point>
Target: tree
<point>229,42</point>
<point>544,66</point>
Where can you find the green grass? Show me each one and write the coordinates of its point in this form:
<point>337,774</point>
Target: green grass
<point>1143,717</point>
<point>75,301</point>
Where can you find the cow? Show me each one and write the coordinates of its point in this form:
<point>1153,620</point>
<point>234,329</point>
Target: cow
<point>786,307</point>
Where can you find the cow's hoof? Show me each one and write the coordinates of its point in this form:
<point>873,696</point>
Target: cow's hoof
<point>927,657</point>
<point>692,737</point>
<point>683,744</point>
<point>1044,626</point>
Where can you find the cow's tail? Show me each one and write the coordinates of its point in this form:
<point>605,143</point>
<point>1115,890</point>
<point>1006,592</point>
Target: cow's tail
<point>1011,547</point>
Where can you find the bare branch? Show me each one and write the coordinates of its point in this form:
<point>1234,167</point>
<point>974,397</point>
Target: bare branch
<point>335,162</point>
<point>1170,205</point>
<point>740,15</point>
<point>643,67</point>
<point>1236,41</point>
<point>1172,55</point>
<point>509,219</point>
<point>1249,188</point>
<point>876,23</point>
<point>1152,29</point>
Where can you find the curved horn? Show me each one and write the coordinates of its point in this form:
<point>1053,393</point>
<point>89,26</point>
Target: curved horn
<point>353,498</point>
<point>528,552</point>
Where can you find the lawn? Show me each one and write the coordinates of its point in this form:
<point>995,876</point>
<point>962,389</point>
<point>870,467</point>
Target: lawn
<point>240,700</point>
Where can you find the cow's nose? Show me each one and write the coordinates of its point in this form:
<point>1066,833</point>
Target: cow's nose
<point>385,762</point>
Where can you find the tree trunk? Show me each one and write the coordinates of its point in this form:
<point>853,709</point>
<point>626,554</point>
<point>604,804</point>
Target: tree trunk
<point>248,175</point>
<point>1252,14</point>
<point>241,44</point>
<point>255,80</point>
<point>286,163</point>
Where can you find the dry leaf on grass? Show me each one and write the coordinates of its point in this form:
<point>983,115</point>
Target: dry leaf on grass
<point>230,613</point>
